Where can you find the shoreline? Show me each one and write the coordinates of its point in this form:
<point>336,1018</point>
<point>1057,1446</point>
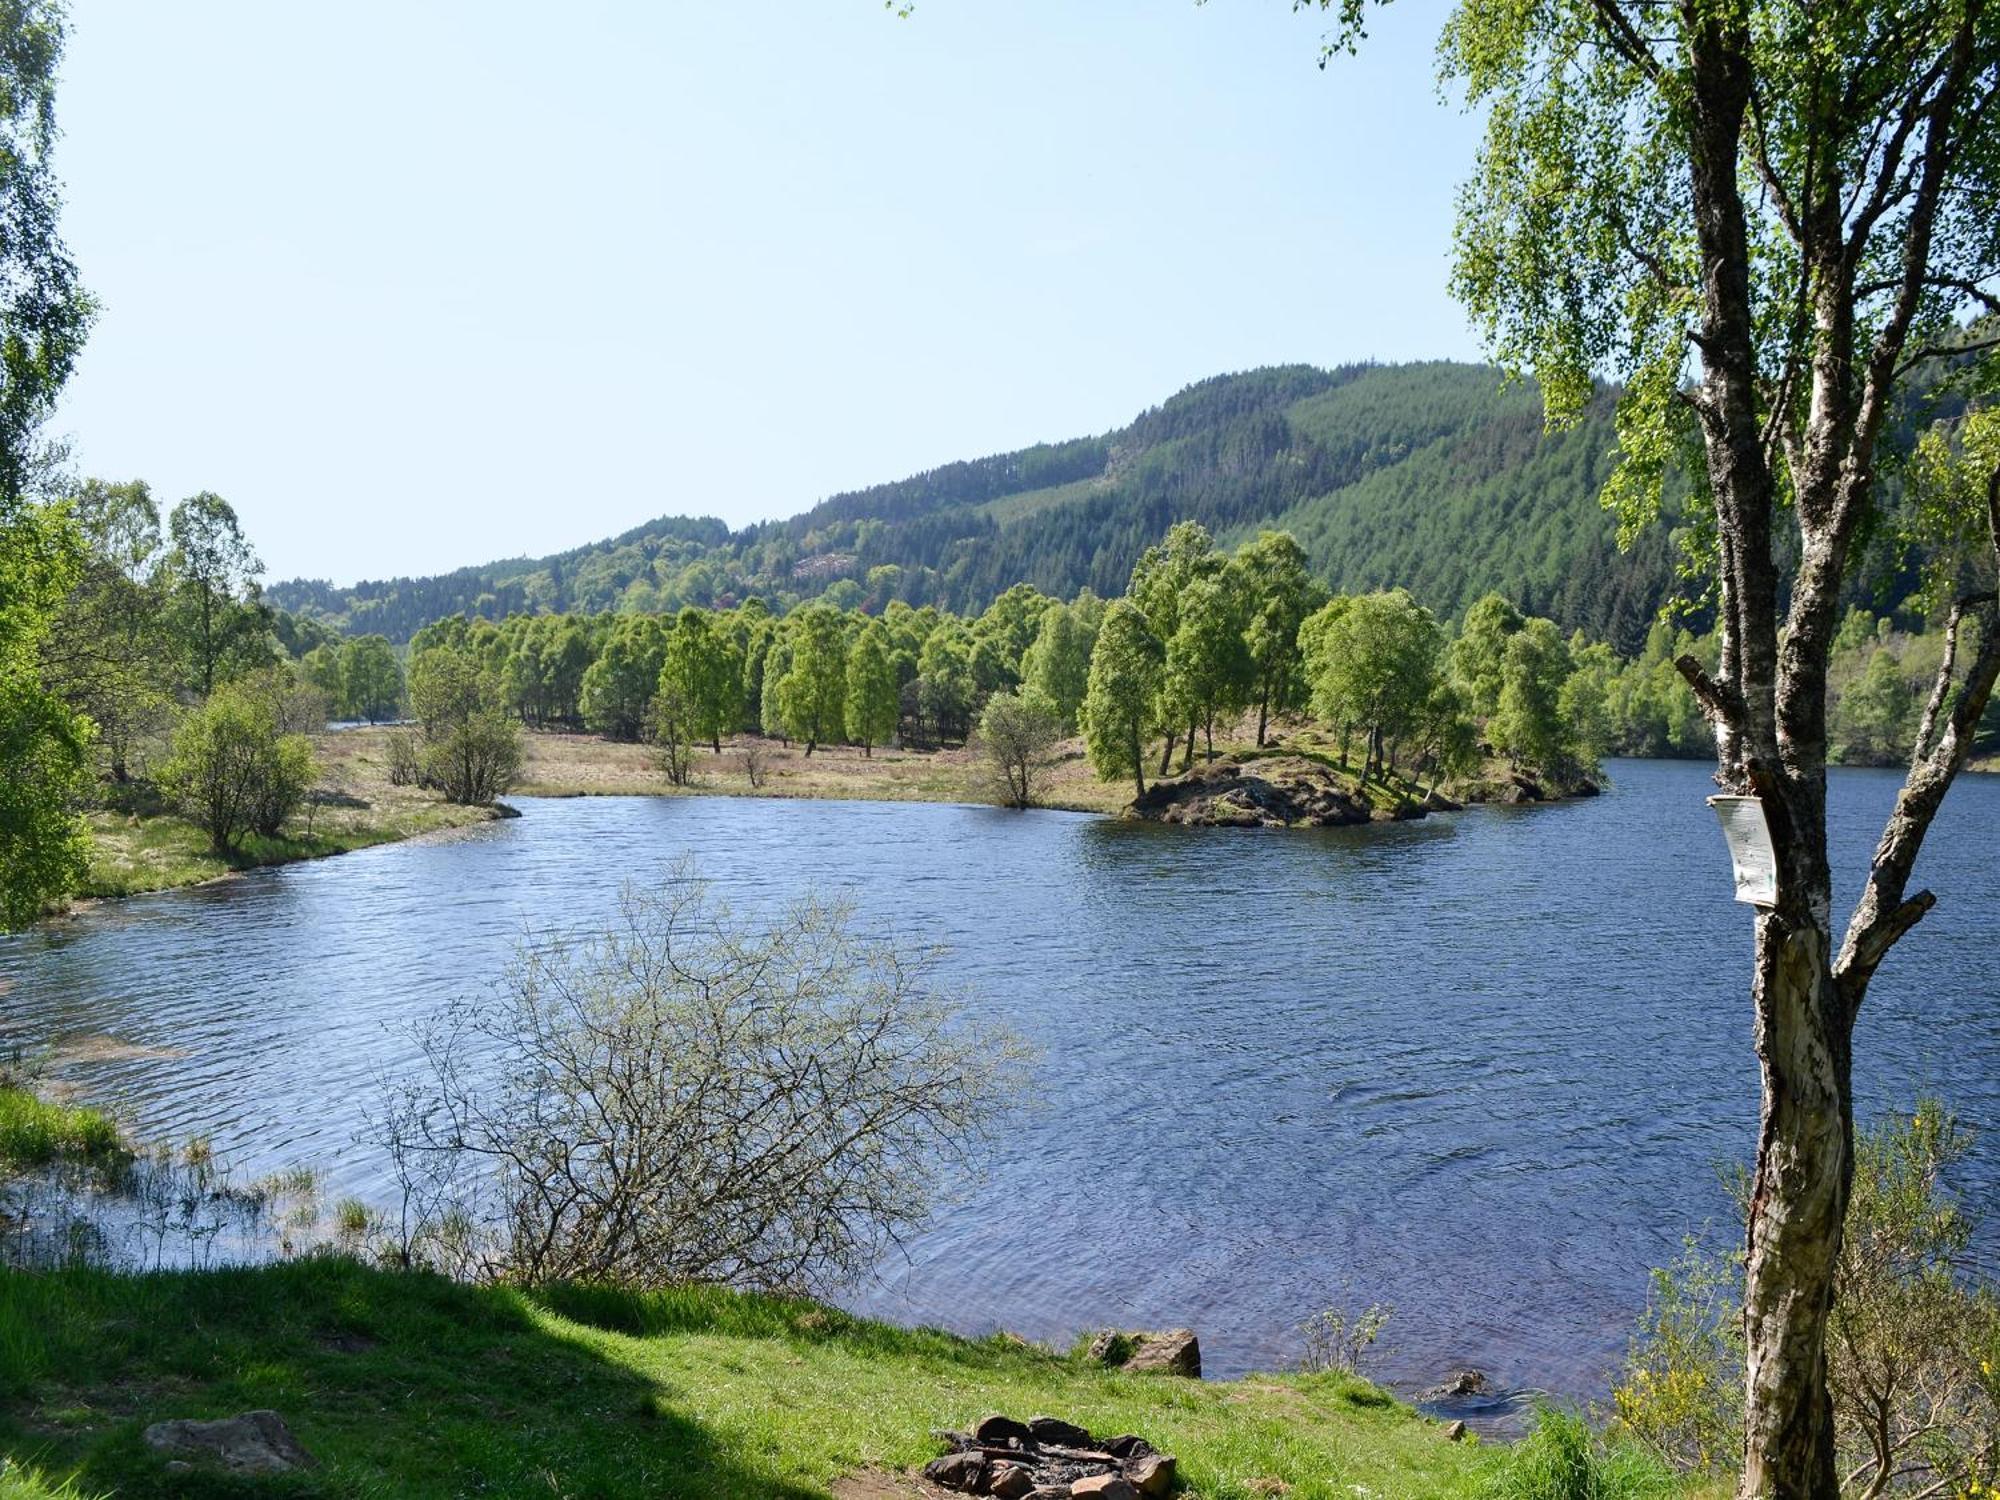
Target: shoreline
<point>139,852</point>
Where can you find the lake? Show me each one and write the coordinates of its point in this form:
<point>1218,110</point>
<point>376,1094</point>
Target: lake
<point>1480,1067</point>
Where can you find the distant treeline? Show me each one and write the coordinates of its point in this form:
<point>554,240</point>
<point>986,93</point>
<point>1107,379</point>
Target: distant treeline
<point>1432,477</point>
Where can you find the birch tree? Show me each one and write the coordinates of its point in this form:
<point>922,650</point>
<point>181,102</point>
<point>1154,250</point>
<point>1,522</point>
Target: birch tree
<point>1759,216</point>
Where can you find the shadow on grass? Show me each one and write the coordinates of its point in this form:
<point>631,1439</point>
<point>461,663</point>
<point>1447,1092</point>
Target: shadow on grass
<point>718,1310</point>
<point>398,1384</point>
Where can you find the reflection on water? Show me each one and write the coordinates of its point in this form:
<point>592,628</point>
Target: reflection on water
<point>1479,1067</point>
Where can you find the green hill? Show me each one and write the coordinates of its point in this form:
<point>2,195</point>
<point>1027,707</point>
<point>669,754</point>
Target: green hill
<point>1434,476</point>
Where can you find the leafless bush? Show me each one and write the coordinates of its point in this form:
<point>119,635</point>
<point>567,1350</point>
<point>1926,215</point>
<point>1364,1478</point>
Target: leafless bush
<point>405,758</point>
<point>756,765</point>
<point>685,1097</point>
<point>1339,1338</point>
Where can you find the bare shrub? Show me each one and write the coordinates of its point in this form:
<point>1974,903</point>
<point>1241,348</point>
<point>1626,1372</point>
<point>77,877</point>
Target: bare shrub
<point>406,758</point>
<point>756,765</point>
<point>1338,1338</point>
<point>686,1097</point>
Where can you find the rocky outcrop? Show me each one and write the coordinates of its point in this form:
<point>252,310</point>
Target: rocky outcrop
<point>1273,791</point>
<point>257,1442</point>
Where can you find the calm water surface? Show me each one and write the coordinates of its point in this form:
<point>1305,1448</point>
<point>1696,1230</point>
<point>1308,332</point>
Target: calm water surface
<point>1479,1067</point>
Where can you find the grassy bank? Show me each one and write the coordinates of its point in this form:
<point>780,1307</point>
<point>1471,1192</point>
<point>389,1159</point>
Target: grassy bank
<point>406,1385</point>
<point>145,846</point>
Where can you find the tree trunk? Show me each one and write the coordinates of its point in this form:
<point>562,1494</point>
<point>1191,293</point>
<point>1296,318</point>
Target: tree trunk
<point>1138,760</point>
<point>1187,751</point>
<point>1797,1207</point>
<point>1208,736</point>
<point>1167,755</point>
<point>1263,715</point>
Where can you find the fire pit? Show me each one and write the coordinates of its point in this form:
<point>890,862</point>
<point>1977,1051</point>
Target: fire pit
<point>1046,1458</point>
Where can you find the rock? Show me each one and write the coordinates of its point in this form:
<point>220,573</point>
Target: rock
<point>1108,1347</point>
<point>1050,1492</point>
<point>1010,1481</point>
<point>999,1431</point>
<point>1175,1352</point>
<point>1437,801</point>
<point>1062,1434</point>
<point>1464,1383</point>
<point>1454,1432</point>
<point>1126,1446</point>
<point>1151,1473</point>
<point>257,1442</point>
<point>965,1472</point>
<point>1104,1487</point>
<point>1271,791</point>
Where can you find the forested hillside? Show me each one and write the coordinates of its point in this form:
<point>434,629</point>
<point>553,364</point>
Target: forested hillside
<point>1432,476</point>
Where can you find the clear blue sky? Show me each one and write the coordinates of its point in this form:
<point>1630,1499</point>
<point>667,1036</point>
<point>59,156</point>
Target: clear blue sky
<point>418,285</point>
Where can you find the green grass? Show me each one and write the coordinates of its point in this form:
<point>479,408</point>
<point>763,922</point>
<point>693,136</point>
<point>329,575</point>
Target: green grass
<point>24,1483</point>
<point>407,1385</point>
<point>134,854</point>
<point>34,1131</point>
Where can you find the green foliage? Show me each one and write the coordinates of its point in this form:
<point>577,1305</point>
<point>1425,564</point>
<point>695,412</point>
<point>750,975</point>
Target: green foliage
<point>471,749</point>
<point>619,685</point>
<point>370,679</point>
<point>1209,670</point>
<point>1528,725</point>
<point>1056,664</point>
<point>234,770</point>
<point>946,688</point>
<point>218,616</point>
<point>107,652</point>
<point>44,315</point>
<point>1122,694</point>
<point>703,671</point>
<point>44,745</point>
<point>1016,731</point>
<point>1278,593</point>
<point>873,700</point>
<point>1913,1345</point>
<point>1375,662</point>
<point>813,692</point>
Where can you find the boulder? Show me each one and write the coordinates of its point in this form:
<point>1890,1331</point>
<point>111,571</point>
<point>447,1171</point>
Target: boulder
<point>1104,1487</point>
<point>999,1431</point>
<point>1462,1383</point>
<point>1151,1474</point>
<point>1010,1481</point>
<point>256,1442</point>
<point>965,1472</point>
<point>1174,1352</point>
<point>1454,1432</point>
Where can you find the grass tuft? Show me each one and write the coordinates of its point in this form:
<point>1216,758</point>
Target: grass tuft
<point>34,1131</point>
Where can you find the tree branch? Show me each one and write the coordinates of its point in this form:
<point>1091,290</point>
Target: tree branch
<point>1883,914</point>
